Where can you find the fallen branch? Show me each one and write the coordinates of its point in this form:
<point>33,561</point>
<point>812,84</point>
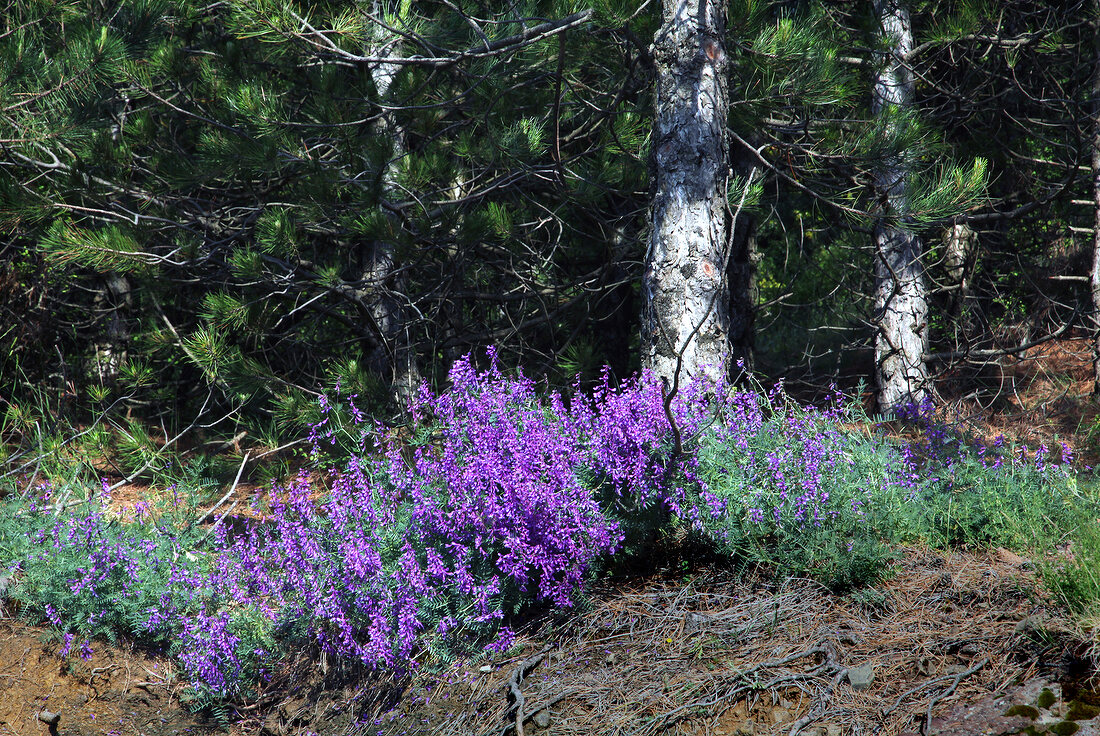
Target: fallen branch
<point>514,692</point>
<point>927,729</point>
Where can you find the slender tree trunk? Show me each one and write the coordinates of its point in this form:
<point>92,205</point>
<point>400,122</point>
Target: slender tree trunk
<point>386,294</point>
<point>960,243</point>
<point>1095,276</point>
<point>901,306</point>
<point>744,291</point>
<point>112,306</point>
<point>685,312</point>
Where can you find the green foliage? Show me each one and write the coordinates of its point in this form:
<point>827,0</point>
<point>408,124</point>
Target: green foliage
<point>92,574</point>
<point>107,249</point>
<point>1015,505</point>
<point>803,498</point>
<point>1074,573</point>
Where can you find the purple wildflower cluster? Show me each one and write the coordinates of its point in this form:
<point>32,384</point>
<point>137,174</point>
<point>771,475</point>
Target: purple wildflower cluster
<point>787,486</point>
<point>498,496</point>
<point>971,492</point>
<point>91,573</point>
<point>489,505</point>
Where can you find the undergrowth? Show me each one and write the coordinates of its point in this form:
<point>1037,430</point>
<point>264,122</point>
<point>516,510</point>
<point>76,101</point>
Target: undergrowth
<point>498,499</point>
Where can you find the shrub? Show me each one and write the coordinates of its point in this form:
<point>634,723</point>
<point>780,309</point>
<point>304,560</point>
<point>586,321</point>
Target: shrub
<point>981,495</point>
<point>785,486</point>
<point>498,498</point>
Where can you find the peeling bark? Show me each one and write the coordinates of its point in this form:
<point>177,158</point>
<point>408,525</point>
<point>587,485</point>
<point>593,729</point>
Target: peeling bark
<point>901,305</point>
<point>685,318</point>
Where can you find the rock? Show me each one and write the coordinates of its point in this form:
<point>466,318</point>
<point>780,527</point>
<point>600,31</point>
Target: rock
<point>1031,625</point>
<point>542,718</point>
<point>50,719</point>
<point>861,677</point>
<point>780,715</point>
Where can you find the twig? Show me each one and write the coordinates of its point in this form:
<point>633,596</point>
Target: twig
<point>515,693</point>
<point>821,703</point>
<point>665,720</point>
<point>926,730</point>
<point>222,500</point>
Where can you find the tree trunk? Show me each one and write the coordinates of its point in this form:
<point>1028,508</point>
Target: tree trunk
<point>901,306</point>
<point>386,294</point>
<point>112,308</point>
<point>685,312</point>
<point>1095,276</point>
<point>960,244</point>
<point>744,260</point>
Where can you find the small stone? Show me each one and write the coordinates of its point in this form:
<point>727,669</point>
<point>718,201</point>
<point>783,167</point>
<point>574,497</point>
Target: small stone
<point>542,718</point>
<point>780,715</point>
<point>1031,625</point>
<point>485,669</point>
<point>50,719</point>
<point>861,677</point>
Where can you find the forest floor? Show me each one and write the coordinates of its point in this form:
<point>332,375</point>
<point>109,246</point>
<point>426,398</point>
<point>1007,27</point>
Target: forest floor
<point>952,644</point>
<point>948,645</point>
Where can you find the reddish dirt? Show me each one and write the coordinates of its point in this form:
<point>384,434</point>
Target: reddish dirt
<point>1041,397</point>
<point>111,691</point>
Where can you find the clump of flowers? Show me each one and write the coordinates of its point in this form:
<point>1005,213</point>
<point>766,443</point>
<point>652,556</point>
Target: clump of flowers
<point>498,497</point>
<point>979,494</point>
<point>487,503</point>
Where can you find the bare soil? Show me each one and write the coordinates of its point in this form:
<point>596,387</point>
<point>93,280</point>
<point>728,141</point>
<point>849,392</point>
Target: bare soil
<point>109,690</point>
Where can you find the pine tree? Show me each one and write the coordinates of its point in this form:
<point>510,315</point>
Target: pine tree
<point>901,307</point>
<point>302,195</point>
<point>685,327</point>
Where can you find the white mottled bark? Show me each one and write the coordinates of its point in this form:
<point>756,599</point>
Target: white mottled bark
<point>960,242</point>
<point>385,288</point>
<point>685,313</point>
<point>901,306</point>
<point>1095,275</point>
